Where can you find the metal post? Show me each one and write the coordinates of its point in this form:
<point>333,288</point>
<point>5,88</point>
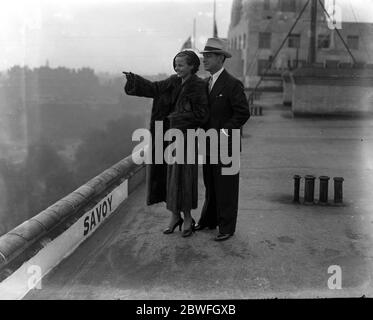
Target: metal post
<point>309,189</point>
<point>194,34</point>
<point>324,185</point>
<point>338,190</point>
<point>296,188</point>
<point>215,29</point>
<point>260,111</point>
<point>312,50</point>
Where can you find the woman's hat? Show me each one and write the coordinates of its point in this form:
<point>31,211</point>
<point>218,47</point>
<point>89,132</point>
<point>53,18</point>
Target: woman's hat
<point>216,45</point>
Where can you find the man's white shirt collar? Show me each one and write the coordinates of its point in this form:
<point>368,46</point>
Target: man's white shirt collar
<point>216,75</point>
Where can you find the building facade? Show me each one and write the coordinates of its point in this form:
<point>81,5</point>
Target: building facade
<point>259,27</point>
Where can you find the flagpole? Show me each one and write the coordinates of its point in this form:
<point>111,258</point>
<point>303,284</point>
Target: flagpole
<point>194,34</point>
<point>215,30</point>
<point>214,19</point>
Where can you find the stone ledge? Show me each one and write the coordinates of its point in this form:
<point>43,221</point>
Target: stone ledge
<point>17,240</point>
<point>28,230</point>
<point>10,244</point>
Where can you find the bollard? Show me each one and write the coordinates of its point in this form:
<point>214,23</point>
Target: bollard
<point>260,111</point>
<point>338,190</point>
<point>296,188</point>
<point>255,111</point>
<point>309,189</point>
<point>324,185</point>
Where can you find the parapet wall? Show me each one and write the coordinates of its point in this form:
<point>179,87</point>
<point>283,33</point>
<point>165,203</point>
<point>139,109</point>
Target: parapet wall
<point>40,243</point>
<point>318,91</point>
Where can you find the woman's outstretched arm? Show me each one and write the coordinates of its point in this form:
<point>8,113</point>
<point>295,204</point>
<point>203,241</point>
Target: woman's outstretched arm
<point>139,86</point>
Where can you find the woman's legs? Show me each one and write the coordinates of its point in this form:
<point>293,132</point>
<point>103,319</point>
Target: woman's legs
<point>175,217</point>
<point>176,221</point>
<point>188,219</point>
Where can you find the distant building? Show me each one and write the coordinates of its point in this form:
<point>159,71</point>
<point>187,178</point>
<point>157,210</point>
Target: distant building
<point>258,27</point>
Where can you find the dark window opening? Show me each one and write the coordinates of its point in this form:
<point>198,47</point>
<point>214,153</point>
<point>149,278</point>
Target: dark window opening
<point>294,41</point>
<point>264,40</point>
<point>323,41</point>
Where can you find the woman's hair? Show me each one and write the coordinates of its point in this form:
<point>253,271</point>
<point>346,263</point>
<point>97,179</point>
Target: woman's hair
<point>191,59</point>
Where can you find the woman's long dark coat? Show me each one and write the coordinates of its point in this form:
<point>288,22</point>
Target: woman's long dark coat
<point>183,106</point>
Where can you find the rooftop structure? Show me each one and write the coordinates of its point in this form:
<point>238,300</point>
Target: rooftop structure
<point>258,28</point>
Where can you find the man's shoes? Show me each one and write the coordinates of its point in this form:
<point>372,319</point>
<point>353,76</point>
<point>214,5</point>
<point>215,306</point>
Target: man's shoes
<point>223,236</point>
<point>199,227</point>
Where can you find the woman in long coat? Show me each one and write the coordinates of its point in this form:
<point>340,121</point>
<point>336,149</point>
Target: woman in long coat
<point>180,102</point>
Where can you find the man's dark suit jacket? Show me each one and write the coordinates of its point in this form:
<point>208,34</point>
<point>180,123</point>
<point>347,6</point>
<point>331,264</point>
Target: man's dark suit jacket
<point>228,104</point>
<point>229,110</point>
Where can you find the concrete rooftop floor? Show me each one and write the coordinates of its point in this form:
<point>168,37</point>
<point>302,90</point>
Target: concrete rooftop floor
<point>280,249</point>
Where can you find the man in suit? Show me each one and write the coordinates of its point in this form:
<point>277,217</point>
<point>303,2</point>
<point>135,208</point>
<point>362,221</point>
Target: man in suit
<point>229,110</point>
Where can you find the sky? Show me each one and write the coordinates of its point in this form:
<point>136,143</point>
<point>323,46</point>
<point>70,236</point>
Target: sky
<point>141,36</point>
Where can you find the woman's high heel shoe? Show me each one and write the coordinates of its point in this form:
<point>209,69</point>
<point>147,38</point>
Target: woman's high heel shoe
<point>189,232</point>
<point>171,230</point>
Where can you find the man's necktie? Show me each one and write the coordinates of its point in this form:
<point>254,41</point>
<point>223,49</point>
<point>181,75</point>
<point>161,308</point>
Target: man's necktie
<point>210,84</point>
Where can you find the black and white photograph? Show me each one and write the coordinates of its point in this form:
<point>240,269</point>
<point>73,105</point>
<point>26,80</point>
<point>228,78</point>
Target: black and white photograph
<point>204,152</point>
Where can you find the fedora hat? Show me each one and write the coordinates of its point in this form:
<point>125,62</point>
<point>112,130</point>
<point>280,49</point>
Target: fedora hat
<point>216,45</point>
